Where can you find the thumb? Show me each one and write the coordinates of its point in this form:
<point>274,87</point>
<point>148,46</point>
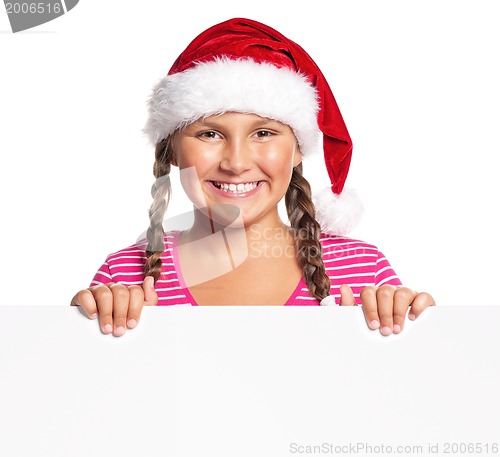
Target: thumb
<point>346,296</point>
<point>150,295</point>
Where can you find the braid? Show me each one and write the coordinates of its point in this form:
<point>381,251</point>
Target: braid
<point>160,191</point>
<point>300,209</point>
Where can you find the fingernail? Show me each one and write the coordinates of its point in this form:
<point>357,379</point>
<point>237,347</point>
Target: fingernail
<point>132,323</point>
<point>397,328</point>
<point>411,316</point>
<point>108,328</point>
<point>374,324</point>
<point>93,316</point>
<point>386,330</point>
<point>120,331</point>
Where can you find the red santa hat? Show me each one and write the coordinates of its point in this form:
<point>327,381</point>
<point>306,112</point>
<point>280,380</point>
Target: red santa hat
<point>241,65</point>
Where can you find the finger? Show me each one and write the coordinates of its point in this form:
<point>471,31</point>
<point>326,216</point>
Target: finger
<point>385,302</point>
<point>150,295</point>
<point>402,300</point>
<point>104,300</point>
<point>421,302</point>
<point>369,302</point>
<point>136,302</point>
<point>346,296</point>
<point>85,300</point>
<point>121,296</point>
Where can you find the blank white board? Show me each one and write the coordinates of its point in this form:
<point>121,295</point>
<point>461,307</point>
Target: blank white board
<point>249,381</point>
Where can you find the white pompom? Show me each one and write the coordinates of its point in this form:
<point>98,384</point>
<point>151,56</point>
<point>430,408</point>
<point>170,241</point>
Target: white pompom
<point>337,214</point>
<point>328,301</point>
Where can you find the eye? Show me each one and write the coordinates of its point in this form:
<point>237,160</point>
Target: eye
<point>209,134</point>
<point>263,134</point>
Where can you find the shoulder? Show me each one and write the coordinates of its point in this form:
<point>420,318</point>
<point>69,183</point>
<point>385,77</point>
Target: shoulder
<point>137,251</point>
<point>355,263</point>
<point>340,252</point>
<point>332,244</point>
<point>127,264</point>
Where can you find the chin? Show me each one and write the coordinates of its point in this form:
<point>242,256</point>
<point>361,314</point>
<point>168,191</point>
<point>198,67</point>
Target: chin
<point>224,215</point>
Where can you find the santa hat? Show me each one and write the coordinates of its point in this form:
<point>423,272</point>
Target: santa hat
<point>241,65</point>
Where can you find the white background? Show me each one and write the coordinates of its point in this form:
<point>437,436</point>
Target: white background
<point>417,84</point>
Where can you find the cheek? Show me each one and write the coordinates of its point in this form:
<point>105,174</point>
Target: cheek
<point>189,172</point>
<point>278,163</point>
<point>193,164</point>
<point>189,160</point>
<point>195,154</point>
<point>190,181</point>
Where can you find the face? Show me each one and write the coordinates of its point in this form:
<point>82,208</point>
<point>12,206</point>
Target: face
<point>238,161</point>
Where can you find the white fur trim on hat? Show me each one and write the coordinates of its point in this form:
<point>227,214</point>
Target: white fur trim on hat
<point>337,214</point>
<point>237,85</point>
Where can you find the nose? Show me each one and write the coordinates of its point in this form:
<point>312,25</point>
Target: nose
<point>236,157</point>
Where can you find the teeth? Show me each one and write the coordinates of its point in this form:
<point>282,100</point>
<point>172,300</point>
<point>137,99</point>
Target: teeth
<point>239,188</point>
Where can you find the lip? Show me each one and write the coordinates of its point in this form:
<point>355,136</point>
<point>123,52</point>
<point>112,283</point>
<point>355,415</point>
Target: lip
<point>215,190</point>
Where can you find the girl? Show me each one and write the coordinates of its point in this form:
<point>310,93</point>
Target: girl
<point>237,113</point>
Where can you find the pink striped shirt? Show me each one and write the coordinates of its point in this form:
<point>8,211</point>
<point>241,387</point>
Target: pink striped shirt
<point>347,261</point>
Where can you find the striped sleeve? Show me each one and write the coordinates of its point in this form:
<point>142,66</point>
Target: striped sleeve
<point>103,275</point>
<point>384,273</point>
<point>356,264</point>
<point>126,267</point>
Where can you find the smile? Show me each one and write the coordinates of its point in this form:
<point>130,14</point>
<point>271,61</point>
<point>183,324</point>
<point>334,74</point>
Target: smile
<point>235,189</point>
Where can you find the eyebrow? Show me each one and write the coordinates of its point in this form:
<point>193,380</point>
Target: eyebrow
<point>256,124</point>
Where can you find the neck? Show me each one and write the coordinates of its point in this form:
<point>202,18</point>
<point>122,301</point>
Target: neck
<point>268,231</point>
<point>210,250</point>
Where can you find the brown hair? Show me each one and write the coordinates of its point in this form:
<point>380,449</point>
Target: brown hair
<point>160,191</point>
<point>300,210</point>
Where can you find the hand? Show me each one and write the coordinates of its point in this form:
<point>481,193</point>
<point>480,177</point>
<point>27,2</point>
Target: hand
<point>118,306</point>
<point>385,307</point>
